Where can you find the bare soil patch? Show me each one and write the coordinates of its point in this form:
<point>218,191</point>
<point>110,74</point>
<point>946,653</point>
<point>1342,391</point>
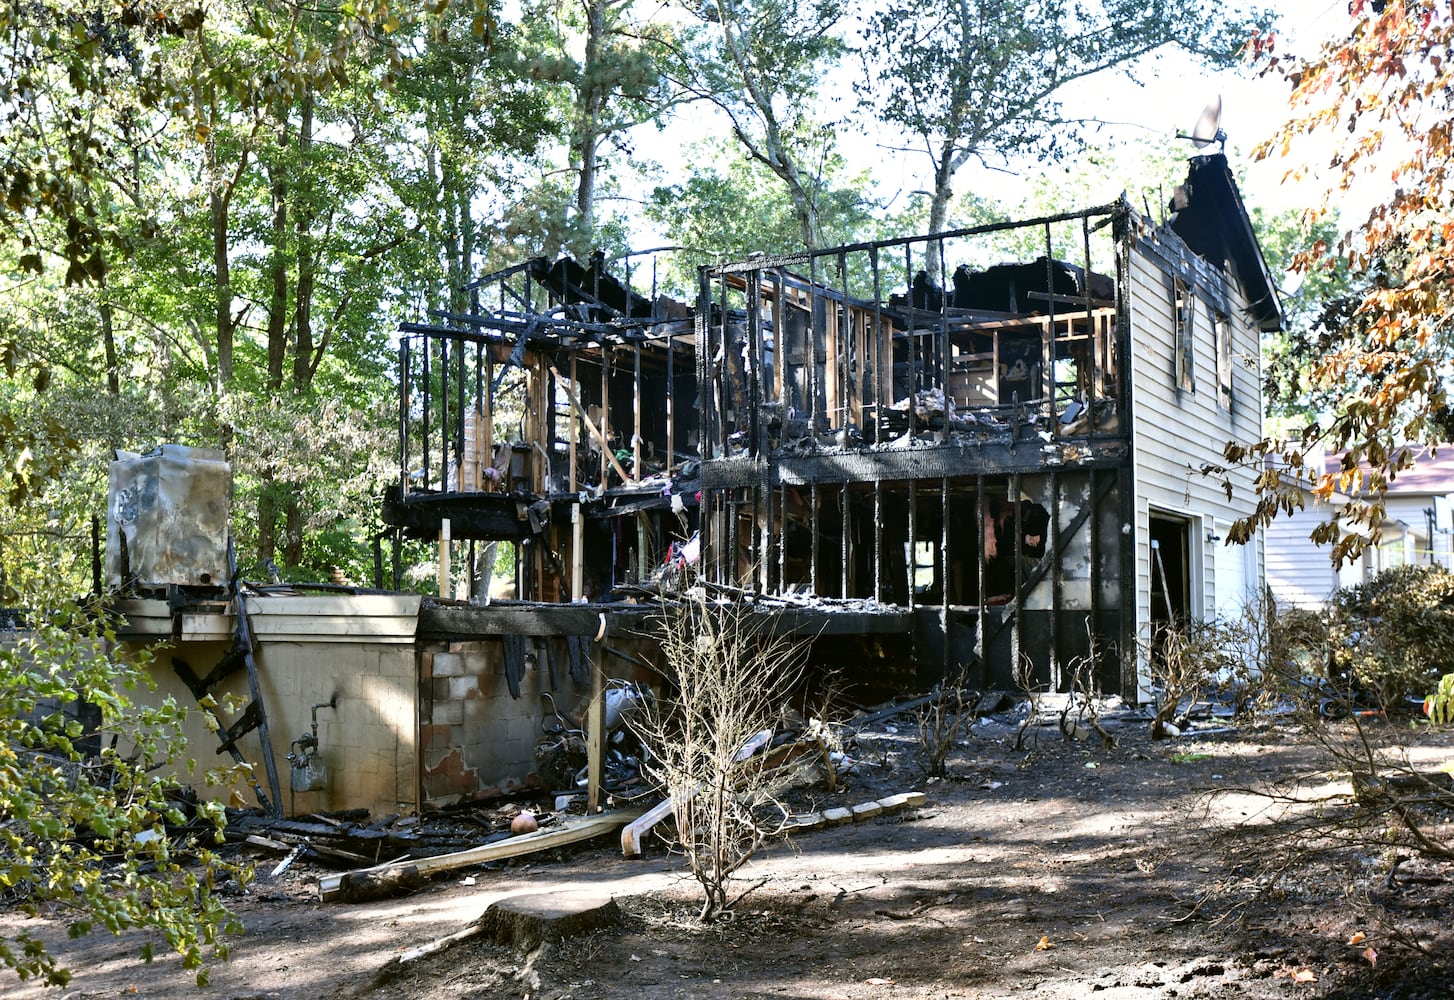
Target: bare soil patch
<point>1068,870</point>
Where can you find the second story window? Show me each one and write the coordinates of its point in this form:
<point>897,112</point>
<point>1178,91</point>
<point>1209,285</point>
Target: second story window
<point>1223,326</point>
<point>1184,330</point>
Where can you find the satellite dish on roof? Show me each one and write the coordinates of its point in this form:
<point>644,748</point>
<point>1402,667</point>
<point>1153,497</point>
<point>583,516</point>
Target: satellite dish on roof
<point>1208,128</point>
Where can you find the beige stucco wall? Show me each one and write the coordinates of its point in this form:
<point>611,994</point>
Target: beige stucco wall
<point>309,650</point>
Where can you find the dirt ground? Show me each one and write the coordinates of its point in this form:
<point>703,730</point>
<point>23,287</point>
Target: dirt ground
<point>1064,870</point>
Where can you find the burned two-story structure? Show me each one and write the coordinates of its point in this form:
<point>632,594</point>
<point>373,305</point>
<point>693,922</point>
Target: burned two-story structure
<point>979,449</point>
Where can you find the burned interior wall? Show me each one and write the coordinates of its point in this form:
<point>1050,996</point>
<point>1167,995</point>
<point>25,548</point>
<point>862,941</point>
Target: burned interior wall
<point>498,685</point>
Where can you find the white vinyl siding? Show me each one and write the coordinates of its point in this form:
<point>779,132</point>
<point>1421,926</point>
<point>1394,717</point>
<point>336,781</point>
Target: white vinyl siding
<point>1175,433</point>
<point>1299,573</point>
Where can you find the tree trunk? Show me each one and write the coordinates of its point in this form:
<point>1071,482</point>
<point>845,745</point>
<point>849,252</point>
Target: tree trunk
<point>108,341</point>
<point>267,515</point>
<point>278,303</point>
<point>221,265</point>
<point>292,531</point>
<point>303,366</point>
<point>772,151</point>
<point>589,104</point>
<point>804,206</point>
<point>939,211</point>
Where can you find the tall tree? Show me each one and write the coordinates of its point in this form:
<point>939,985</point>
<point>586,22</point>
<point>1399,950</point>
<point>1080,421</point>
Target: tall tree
<point>982,79</point>
<point>1381,96</point>
<point>473,118</point>
<point>762,63</point>
<point>610,63</point>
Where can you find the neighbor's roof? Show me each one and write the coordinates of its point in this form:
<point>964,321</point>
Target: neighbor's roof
<point>1430,474</point>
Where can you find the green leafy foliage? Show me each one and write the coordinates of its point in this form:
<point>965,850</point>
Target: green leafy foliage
<point>1439,706</point>
<point>1395,634</point>
<point>729,207</point>
<point>1317,313</point>
<point>90,828</point>
<point>982,80</point>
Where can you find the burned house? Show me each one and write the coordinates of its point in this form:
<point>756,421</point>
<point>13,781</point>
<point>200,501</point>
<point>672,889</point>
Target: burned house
<point>978,451</point>
<point>997,469</point>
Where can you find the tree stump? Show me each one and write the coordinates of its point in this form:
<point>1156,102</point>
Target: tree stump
<point>523,922</point>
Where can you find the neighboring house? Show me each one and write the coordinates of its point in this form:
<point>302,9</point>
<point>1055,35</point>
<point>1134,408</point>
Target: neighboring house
<point>1416,530</point>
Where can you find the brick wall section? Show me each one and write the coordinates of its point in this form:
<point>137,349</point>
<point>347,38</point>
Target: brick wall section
<point>475,739</point>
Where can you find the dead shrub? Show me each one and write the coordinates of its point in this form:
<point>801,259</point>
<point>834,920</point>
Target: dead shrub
<point>728,682</point>
<point>1081,715</point>
<point>1034,691</point>
<point>1184,660</point>
<point>943,721</point>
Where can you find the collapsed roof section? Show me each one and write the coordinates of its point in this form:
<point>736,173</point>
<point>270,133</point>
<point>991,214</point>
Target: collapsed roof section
<point>1211,218</point>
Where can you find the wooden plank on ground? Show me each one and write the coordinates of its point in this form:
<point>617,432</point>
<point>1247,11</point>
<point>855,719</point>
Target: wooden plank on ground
<point>336,887</point>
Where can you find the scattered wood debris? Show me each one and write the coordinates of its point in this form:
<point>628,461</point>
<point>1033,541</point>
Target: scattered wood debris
<point>352,839</point>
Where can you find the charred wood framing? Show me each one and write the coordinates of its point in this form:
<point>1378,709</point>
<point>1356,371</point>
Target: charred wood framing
<point>815,422</point>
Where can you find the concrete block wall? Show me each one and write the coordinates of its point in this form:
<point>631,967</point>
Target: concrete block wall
<point>476,740</point>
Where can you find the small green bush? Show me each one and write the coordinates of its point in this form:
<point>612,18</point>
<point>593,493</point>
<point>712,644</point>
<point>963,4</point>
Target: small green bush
<point>1439,706</point>
<point>1394,635</point>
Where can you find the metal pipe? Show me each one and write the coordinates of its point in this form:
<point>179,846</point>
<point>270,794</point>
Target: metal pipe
<point>878,540</point>
<point>1047,378</point>
<point>403,417</point>
<point>875,356</point>
<point>913,559</point>
<point>1052,549</point>
<point>1016,603</point>
<point>944,572</point>
<point>811,354</point>
<point>912,381</point>
<point>843,331</point>
<point>981,561</point>
<point>459,359</point>
<point>428,482</point>
<point>1093,337</point>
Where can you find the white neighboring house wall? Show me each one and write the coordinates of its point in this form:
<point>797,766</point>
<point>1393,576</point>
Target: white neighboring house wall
<point>1187,403</point>
<point>1299,573</point>
<point>1302,575</point>
<point>1422,549</point>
